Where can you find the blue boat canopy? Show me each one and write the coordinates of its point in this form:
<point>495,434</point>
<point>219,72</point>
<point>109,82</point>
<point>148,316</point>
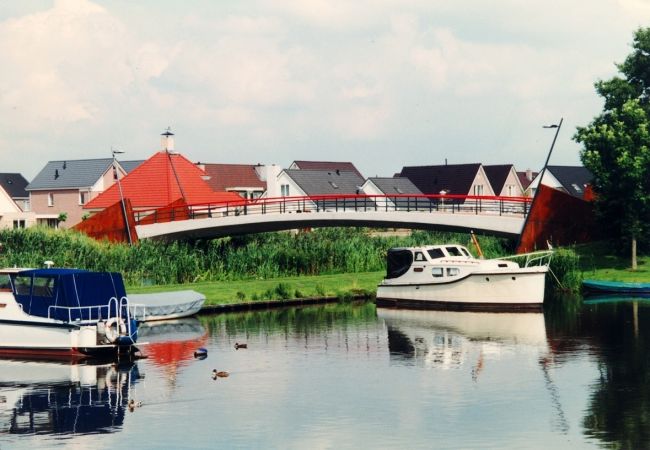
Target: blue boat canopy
<point>68,294</point>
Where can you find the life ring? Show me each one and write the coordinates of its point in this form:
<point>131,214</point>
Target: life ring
<point>114,328</point>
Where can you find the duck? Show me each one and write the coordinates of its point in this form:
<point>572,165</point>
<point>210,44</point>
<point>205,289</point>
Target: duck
<point>238,345</point>
<point>133,404</point>
<point>219,374</point>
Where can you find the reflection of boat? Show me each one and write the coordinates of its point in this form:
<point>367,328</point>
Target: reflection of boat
<point>449,277</point>
<point>166,305</point>
<point>47,397</point>
<point>173,342</point>
<point>616,287</point>
<point>444,338</point>
<point>616,298</point>
<point>64,312</point>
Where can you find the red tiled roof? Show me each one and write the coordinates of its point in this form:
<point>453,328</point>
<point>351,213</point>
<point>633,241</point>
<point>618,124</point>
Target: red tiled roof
<point>155,183</point>
<point>228,176</point>
<point>523,179</point>
<point>327,165</point>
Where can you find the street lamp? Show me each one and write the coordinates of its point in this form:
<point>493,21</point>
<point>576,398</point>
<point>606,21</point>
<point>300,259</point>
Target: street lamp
<point>119,186</point>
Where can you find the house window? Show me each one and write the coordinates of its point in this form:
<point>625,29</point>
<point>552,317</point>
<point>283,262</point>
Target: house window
<point>284,190</point>
<point>26,206</point>
<point>478,189</point>
<point>511,190</point>
<point>50,199</point>
<point>19,224</point>
<point>83,197</point>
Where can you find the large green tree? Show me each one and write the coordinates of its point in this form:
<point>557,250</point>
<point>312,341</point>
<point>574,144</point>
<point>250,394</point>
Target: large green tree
<point>616,147</point>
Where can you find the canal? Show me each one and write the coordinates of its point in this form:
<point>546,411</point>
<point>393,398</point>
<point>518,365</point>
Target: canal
<point>351,376</point>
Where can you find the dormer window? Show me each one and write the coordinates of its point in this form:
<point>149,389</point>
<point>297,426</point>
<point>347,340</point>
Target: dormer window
<point>576,187</point>
<point>334,185</point>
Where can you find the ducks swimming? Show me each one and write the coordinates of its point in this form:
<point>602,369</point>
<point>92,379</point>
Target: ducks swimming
<point>238,345</point>
<point>219,374</point>
<point>133,404</point>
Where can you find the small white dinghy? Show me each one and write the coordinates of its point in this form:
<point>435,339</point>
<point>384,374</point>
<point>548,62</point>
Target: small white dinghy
<point>165,305</point>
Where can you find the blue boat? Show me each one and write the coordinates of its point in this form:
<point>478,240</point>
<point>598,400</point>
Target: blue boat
<point>615,287</point>
<point>65,312</point>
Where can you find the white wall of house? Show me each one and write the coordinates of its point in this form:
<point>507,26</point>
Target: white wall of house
<point>288,188</point>
<point>549,180</point>
<point>481,185</point>
<point>269,173</point>
<point>370,188</point>
<point>11,216</point>
<point>512,186</point>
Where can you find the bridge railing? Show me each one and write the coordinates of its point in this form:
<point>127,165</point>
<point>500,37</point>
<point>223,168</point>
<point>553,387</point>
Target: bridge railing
<point>453,204</point>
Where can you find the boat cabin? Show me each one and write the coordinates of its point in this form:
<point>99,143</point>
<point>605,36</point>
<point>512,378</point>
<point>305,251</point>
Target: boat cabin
<point>65,294</point>
<point>399,260</point>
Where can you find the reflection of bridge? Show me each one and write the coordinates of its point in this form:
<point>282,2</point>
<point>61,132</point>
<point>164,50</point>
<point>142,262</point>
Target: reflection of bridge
<point>503,216</point>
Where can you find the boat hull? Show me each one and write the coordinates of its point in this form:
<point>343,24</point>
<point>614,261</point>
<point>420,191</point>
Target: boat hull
<point>616,287</point>
<point>480,291</point>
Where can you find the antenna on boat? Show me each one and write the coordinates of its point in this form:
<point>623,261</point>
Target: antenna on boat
<point>48,264</point>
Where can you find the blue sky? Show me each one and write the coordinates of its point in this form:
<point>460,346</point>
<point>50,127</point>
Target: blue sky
<point>381,83</point>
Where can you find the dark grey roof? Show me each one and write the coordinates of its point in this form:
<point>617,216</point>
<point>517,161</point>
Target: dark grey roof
<point>455,179</point>
<point>327,165</point>
<point>70,174</point>
<point>400,185</point>
<point>128,166</point>
<point>326,182</point>
<point>497,176</point>
<point>574,179</point>
<point>14,184</point>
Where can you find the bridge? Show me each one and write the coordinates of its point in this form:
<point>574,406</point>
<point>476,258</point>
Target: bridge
<point>500,216</point>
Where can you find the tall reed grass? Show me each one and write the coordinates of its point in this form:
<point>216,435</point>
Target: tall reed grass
<point>269,255</point>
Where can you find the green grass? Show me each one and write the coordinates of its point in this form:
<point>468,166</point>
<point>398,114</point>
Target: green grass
<point>225,292</point>
<point>600,261</point>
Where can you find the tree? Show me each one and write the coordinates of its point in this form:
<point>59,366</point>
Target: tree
<point>616,147</point>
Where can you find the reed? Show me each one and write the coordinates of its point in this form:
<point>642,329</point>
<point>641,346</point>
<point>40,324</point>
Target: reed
<point>259,256</point>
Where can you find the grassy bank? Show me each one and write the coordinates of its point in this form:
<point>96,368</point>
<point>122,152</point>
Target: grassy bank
<point>608,261</point>
<point>308,286</point>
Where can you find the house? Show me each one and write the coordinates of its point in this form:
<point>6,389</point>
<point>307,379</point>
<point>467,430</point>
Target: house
<point>573,180</point>
<point>310,183</point>
<point>325,165</point>
<point>66,186</point>
<point>243,179</point>
<point>504,180</point>
<point>399,187</point>
<point>452,179</point>
<point>14,185</point>
<point>128,166</point>
<point>166,177</point>
<point>525,178</point>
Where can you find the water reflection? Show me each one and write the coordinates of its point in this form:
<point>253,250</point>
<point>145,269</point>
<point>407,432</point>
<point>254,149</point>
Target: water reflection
<point>445,338</point>
<point>42,397</point>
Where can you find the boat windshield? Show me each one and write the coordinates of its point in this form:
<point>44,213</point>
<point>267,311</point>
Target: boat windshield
<point>435,253</point>
<point>454,251</point>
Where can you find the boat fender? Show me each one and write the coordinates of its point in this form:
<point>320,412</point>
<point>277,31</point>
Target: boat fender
<point>201,353</point>
<point>113,328</point>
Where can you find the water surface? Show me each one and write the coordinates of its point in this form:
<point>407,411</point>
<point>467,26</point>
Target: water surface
<point>351,376</point>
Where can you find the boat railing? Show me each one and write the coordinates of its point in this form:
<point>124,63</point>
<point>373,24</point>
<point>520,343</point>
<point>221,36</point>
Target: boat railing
<point>78,314</point>
<point>138,311</point>
<point>539,258</point>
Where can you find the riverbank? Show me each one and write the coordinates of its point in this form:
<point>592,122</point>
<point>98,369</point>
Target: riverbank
<point>601,261</point>
<point>341,286</point>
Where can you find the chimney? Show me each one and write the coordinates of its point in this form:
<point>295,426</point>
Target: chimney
<point>167,141</point>
<point>529,175</point>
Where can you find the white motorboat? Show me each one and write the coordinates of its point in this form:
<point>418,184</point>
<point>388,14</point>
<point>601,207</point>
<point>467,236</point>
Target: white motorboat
<point>449,277</point>
<point>64,313</point>
<point>165,305</point>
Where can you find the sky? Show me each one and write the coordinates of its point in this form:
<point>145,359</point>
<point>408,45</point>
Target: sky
<point>382,83</point>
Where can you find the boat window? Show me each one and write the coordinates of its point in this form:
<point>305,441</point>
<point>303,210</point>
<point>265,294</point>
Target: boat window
<point>465,252</point>
<point>398,262</point>
<point>452,271</point>
<point>453,251</point>
<point>5,283</point>
<point>43,286</point>
<point>437,272</point>
<point>419,256</point>
<point>436,253</point>
<point>23,285</point>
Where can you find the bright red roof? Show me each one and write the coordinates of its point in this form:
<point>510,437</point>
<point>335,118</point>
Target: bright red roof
<point>161,180</point>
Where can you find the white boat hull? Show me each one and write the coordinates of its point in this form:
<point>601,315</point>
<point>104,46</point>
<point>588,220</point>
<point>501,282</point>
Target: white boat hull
<point>511,289</point>
<point>165,305</point>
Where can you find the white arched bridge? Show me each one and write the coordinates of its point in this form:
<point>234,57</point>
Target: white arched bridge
<point>501,216</point>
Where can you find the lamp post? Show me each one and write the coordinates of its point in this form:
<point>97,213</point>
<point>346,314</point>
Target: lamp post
<point>119,186</point>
